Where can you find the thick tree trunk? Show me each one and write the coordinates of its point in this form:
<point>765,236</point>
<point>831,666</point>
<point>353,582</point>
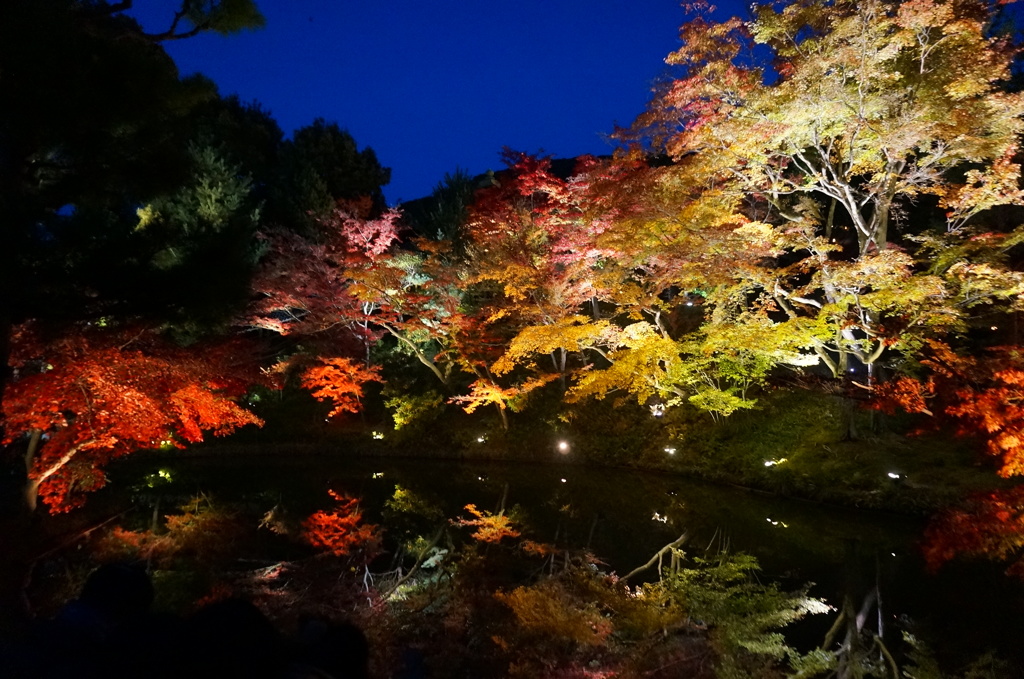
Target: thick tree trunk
<point>31,491</point>
<point>31,495</point>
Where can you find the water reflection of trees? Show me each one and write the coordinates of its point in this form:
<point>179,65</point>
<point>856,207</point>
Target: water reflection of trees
<point>497,572</point>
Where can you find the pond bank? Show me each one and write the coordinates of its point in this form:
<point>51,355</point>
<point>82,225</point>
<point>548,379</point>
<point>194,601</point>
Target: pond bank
<point>797,443</point>
<point>915,489</point>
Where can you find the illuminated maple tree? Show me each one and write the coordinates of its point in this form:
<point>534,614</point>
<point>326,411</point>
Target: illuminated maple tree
<point>981,397</point>
<point>303,284</point>
<point>776,208</point>
<point>869,103</point>
<point>338,381</point>
<point>92,395</point>
<point>487,391</point>
<point>531,242</point>
<point>352,283</point>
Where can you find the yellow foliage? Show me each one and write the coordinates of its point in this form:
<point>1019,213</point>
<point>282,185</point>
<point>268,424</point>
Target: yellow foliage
<point>547,610</point>
<point>489,527</point>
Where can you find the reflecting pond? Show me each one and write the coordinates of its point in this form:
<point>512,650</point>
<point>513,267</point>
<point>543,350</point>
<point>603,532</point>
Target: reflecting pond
<point>624,517</point>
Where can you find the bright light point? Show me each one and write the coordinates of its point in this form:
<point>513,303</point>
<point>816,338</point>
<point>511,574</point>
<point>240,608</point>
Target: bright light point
<point>893,553</point>
<point>851,369</point>
<point>563,446</point>
<point>377,475</point>
<point>772,463</point>
<point>689,304</point>
<point>670,451</point>
<point>995,327</point>
<point>563,480</point>
<point>659,517</point>
<point>378,435</point>
<point>893,475</point>
<point>481,439</point>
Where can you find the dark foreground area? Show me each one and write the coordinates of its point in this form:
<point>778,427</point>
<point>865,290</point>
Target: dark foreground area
<point>436,568</point>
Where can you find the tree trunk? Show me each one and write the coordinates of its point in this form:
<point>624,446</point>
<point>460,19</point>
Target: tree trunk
<point>32,484</point>
<point>31,495</point>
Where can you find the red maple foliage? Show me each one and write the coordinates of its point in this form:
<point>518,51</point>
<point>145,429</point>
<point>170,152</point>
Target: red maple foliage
<point>93,394</point>
<point>995,409</point>
<point>340,532</point>
<point>339,381</point>
<point>989,525</point>
<point>304,285</point>
<point>348,287</point>
<point>982,397</point>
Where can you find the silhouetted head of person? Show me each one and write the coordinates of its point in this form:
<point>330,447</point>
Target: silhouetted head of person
<point>338,648</point>
<point>118,591</point>
<point>232,638</point>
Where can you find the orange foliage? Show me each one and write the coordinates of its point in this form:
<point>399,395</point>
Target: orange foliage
<point>538,548</point>
<point>96,394</point>
<point>990,525</point>
<point>984,398</point>
<point>906,394</point>
<point>996,411</point>
<point>340,532</point>
<point>202,534</point>
<point>490,528</point>
<point>339,381</point>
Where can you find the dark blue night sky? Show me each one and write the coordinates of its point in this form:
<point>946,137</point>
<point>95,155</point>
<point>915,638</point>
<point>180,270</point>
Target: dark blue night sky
<point>445,84</point>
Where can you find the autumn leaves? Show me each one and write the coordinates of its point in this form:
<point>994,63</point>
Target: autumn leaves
<point>826,189</point>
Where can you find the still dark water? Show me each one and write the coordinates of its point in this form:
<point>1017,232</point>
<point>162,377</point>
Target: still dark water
<point>624,517</point>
